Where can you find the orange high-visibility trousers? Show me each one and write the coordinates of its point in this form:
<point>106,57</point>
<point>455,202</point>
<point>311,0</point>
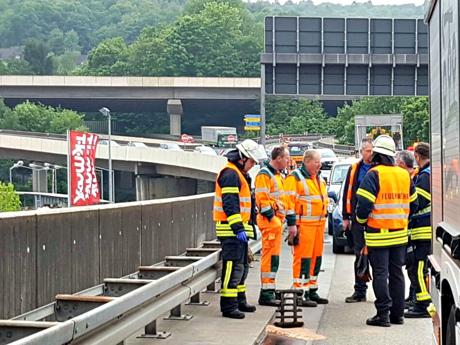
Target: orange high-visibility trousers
<point>307,256</point>
<point>272,232</point>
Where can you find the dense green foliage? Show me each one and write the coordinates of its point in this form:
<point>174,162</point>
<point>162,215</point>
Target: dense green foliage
<point>86,22</point>
<point>290,116</point>
<point>214,39</point>
<point>415,111</point>
<point>39,118</point>
<point>9,199</point>
<point>153,37</point>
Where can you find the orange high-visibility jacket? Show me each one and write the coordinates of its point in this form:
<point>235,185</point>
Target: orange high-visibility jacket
<point>351,181</point>
<point>308,198</point>
<point>224,222</point>
<point>269,192</point>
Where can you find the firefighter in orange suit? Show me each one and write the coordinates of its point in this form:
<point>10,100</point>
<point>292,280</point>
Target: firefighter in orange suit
<point>234,213</point>
<point>306,218</point>
<point>385,199</point>
<point>271,203</point>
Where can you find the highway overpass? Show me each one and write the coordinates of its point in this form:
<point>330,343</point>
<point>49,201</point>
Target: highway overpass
<point>179,96</point>
<point>146,172</point>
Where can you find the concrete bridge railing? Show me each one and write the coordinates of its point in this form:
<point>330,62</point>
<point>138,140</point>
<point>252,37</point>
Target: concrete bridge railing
<point>43,253</point>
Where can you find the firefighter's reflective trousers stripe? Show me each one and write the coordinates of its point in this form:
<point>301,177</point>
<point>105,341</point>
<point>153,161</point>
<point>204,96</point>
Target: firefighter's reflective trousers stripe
<point>307,256</point>
<point>234,273</point>
<point>272,232</point>
<point>418,272</point>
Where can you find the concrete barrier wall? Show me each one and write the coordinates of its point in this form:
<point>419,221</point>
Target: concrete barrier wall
<point>43,253</point>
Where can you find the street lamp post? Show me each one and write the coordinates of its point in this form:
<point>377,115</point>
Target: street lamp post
<point>106,112</point>
<point>15,165</point>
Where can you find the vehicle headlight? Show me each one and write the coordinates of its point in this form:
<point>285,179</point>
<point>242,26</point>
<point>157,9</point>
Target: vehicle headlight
<point>331,206</point>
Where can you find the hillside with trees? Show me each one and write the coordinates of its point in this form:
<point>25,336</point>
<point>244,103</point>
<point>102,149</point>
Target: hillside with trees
<point>152,37</point>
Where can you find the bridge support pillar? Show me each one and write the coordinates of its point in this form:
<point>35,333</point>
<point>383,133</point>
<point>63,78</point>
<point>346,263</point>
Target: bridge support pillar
<point>175,112</point>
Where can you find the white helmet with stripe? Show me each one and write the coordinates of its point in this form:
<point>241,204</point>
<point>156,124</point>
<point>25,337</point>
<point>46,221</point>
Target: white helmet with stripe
<point>250,149</point>
<point>385,145</point>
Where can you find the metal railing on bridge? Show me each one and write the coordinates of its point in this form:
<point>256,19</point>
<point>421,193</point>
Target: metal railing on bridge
<point>111,312</point>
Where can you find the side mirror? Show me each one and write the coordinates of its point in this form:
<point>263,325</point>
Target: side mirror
<point>332,195</point>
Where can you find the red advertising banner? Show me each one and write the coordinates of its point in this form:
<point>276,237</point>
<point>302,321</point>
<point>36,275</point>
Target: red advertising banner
<point>84,188</point>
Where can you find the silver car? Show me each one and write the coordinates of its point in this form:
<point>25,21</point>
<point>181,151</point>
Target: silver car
<point>338,175</point>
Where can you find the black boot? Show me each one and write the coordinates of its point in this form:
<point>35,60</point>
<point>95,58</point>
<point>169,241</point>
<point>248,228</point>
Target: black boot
<point>268,298</point>
<point>409,302</point>
<point>234,314</point>
<point>379,320</point>
<point>245,307</point>
<point>355,298</point>
<point>313,295</point>
<point>243,303</point>
<point>417,311</point>
<point>307,302</point>
<point>397,320</point>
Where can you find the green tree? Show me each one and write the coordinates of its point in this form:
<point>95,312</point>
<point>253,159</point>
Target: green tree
<point>38,55</point>
<point>108,58</point>
<point>66,63</point>
<point>9,199</point>
<point>8,120</point>
<point>208,43</point>
<point>295,116</point>
<point>65,119</point>
<point>71,42</point>
<point>416,117</point>
<point>345,123</point>
<point>16,67</point>
<point>56,41</point>
<point>414,110</point>
<point>33,117</point>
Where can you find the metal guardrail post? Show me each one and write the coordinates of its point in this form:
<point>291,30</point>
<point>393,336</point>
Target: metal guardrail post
<point>212,288</point>
<point>176,315</point>
<point>196,300</point>
<point>151,332</point>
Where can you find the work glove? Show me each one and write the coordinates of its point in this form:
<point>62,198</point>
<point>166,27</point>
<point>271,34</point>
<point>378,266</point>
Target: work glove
<point>242,237</point>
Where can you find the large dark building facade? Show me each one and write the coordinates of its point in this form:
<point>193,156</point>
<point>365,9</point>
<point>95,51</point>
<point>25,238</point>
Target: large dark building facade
<point>340,59</point>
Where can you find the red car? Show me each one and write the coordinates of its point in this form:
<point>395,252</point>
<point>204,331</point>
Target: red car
<point>187,139</point>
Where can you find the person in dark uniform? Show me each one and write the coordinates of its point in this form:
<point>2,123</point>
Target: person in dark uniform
<point>355,231</point>
<point>420,236</point>
<point>385,200</point>
<point>234,214</point>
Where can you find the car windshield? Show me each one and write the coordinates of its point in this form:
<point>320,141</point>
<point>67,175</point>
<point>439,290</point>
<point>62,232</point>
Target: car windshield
<point>297,150</point>
<point>327,154</point>
<point>339,174</point>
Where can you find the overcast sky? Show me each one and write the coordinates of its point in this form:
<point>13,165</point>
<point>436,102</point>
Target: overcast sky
<point>376,2</point>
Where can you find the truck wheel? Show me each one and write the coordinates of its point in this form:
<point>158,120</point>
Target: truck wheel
<point>450,328</point>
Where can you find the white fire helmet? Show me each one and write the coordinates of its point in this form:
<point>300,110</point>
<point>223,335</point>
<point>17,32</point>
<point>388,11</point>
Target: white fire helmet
<point>385,145</point>
<point>250,149</point>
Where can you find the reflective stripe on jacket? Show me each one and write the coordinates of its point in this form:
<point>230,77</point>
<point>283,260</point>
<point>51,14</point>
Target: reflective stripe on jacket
<point>388,220</point>
<point>224,222</point>
<point>308,198</point>
<point>420,222</point>
<point>269,191</point>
